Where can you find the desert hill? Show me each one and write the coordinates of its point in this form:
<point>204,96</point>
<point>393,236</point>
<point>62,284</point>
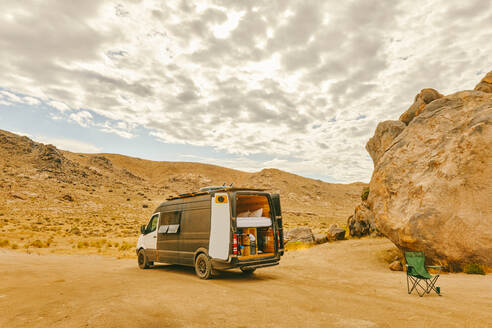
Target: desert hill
<point>58,199</point>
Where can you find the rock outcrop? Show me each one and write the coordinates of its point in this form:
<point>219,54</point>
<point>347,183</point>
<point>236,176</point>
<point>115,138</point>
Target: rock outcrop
<point>302,234</point>
<point>395,266</point>
<point>361,223</point>
<point>336,233</point>
<point>431,188</point>
<point>385,133</point>
<point>320,238</point>
<point>486,84</point>
<point>425,97</point>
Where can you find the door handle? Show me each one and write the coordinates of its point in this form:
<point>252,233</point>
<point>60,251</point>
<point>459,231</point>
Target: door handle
<point>155,236</point>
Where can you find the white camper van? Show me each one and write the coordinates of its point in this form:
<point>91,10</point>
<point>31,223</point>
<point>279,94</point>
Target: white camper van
<point>218,228</point>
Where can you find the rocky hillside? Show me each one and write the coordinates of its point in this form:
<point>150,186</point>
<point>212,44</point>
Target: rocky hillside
<point>58,197</point>
<point>431,188</point>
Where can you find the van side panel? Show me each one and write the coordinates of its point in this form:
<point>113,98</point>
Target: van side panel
<point>220,227</point>
<point>167,244</point>
<point>194,230</point>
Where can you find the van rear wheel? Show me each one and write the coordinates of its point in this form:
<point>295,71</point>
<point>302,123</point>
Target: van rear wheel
<point>247,270</point>
<point>203,266</point>
<point>143,261</point>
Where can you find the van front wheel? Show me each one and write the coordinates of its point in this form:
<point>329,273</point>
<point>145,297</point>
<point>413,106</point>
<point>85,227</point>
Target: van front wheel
<point>143,261</point>
<point>203,266</point>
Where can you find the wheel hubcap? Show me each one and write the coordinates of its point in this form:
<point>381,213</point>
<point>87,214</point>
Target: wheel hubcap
<point>140,259</point>
<point>202,267</point>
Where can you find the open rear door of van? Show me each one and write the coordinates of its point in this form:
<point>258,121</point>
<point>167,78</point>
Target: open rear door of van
<point>278,218</point>
<point>220,227</point>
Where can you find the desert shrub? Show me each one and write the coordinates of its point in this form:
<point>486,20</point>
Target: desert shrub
<point>82,244</point>
<point>14,246</point>
<point>293,246</point>
<point>4,243</point>
<point>98,243</point>
<point>473,268</point>
<point>365,193</point>
<point>37,244</point>
<point>126,246</point>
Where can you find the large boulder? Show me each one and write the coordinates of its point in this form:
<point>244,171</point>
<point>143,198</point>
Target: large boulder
<point>432,189</point>
<point>362,223</point>
<point>302,234</point>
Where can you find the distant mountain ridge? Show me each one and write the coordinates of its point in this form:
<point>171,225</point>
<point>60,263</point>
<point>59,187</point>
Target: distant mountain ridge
<point>41,183</point>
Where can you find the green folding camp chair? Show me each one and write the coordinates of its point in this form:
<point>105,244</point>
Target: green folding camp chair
<point>417,274</point>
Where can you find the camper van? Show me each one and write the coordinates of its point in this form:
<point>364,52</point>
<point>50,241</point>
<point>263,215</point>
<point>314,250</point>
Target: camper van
<point>217,228</point>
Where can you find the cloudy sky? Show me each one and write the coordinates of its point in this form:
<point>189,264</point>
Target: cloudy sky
<point>294,85</point>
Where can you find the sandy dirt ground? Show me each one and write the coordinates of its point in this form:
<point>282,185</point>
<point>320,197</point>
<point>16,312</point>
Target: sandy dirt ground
<point>333,285</point>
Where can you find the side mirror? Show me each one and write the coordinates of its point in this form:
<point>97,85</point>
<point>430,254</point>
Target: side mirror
<point>142,229</point>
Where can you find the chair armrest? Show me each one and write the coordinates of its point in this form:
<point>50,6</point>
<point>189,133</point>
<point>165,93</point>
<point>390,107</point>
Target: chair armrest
<point>435,267</point>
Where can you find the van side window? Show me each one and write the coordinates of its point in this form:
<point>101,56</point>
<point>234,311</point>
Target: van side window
<point>152,224</point>
<point>170,222</point>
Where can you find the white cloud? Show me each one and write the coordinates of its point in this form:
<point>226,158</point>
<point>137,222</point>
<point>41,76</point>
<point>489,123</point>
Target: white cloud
<point>59,105</point>
<point>84,118</point>
<point>119,128</point>
<point>31,101</point>
<point>63,143</point>
<point>307,80</point>
<point>69,144</point>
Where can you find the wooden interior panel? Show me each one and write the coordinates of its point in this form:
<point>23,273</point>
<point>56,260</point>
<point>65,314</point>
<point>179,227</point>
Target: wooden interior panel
<point>252,203</point>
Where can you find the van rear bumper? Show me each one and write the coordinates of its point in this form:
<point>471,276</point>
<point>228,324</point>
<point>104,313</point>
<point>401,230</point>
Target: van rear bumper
<point>257,266</point>
<point>252,264</point>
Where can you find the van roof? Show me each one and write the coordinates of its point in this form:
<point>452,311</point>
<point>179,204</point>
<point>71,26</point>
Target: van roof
<point>205,192</point>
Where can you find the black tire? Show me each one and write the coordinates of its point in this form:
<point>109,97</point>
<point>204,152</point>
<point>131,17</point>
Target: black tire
<point>143,261</point>
<point>203,266</point>
<point>248,270</point>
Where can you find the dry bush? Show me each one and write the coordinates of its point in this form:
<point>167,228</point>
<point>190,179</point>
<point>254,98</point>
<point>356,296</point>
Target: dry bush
<point>474,268</point>
<point>36,244</point>
<point>4,243</point>
<point>293,246</point>
<point>126,246</point>
<point>82,244</point>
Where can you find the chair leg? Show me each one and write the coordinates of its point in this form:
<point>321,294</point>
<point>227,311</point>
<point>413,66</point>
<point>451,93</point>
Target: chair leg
<point>416,283</point>
<point>413,281</point>
<point>432,285</point>
<point>424,289</point>
<point>408,284</point>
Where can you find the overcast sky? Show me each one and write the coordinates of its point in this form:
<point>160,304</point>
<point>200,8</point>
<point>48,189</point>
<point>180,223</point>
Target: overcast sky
<point>294,85</point>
